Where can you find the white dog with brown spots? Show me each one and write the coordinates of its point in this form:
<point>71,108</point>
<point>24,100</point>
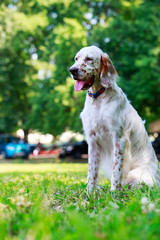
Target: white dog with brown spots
<point>115,133</point>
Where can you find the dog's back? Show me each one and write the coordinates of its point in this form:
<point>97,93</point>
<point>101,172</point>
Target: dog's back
<point>143,161</point>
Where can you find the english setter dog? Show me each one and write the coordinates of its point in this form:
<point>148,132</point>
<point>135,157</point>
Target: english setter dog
<point>115,133</point>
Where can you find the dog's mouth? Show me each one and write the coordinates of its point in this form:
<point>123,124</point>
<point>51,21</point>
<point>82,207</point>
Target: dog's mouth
<point>83,85</point>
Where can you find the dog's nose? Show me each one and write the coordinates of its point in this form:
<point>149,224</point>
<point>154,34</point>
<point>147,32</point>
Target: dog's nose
<point>74,70</point>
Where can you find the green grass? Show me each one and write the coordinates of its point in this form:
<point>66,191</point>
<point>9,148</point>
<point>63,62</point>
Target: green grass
<point>49,201</point>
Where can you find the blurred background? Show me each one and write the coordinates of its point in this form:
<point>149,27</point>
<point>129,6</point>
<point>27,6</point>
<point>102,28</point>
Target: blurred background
<point>38,42</point>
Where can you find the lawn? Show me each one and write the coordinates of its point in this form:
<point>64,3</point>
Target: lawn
<point>49,201</point>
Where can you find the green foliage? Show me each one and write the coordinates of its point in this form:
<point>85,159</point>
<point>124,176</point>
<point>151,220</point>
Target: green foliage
<point>39,40</point>
<point>17,30</point>
<point>49,201</point>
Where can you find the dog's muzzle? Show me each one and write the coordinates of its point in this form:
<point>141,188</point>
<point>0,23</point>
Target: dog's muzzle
<point>83,84</point>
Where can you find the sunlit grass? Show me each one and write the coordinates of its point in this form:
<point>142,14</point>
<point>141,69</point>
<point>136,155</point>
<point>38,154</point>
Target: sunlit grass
<point>49,201</point>
<point>43,168</point>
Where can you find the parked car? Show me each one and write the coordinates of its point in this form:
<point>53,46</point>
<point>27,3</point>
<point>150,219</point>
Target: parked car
<point>46,150</point>
<point>12,147</point>
<point>74,149</point>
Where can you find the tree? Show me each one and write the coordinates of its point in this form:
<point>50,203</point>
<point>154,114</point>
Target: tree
<point>39,40</point>
<point>18,31</point>
<point>56,105</point>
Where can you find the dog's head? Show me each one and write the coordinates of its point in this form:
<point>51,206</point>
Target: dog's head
<point>92,66</point>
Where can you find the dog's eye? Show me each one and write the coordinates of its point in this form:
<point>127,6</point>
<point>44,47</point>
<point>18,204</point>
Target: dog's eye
<point>89,59</point>
<point>76,59</point>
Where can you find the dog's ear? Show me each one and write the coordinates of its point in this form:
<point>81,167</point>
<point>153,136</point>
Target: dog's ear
<point>108,72</point>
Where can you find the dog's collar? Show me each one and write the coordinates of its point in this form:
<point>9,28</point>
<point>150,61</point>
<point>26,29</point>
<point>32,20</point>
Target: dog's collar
<point>97,94</point>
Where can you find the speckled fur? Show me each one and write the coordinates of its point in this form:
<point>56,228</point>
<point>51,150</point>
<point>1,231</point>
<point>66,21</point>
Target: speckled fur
<point>114,131</point>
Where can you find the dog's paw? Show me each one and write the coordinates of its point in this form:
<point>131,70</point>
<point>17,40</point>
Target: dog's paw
<point>90,187</point>
<point>116,186</point>
<point>113,188</point>
<point>93,186</point>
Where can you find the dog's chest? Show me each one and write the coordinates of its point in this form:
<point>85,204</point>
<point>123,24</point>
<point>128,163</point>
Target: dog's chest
<point>95,119</point>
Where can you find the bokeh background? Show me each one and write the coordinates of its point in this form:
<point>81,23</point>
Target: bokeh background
<point>38,42</point>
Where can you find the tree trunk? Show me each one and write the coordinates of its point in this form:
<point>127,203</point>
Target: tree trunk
<point>26,132</point>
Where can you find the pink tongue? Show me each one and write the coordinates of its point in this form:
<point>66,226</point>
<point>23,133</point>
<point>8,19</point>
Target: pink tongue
<point>79,85</point>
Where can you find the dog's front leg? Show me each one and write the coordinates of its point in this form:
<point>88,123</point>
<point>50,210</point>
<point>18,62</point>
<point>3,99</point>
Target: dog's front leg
<point>117,162</point>
<point>93,166</point>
